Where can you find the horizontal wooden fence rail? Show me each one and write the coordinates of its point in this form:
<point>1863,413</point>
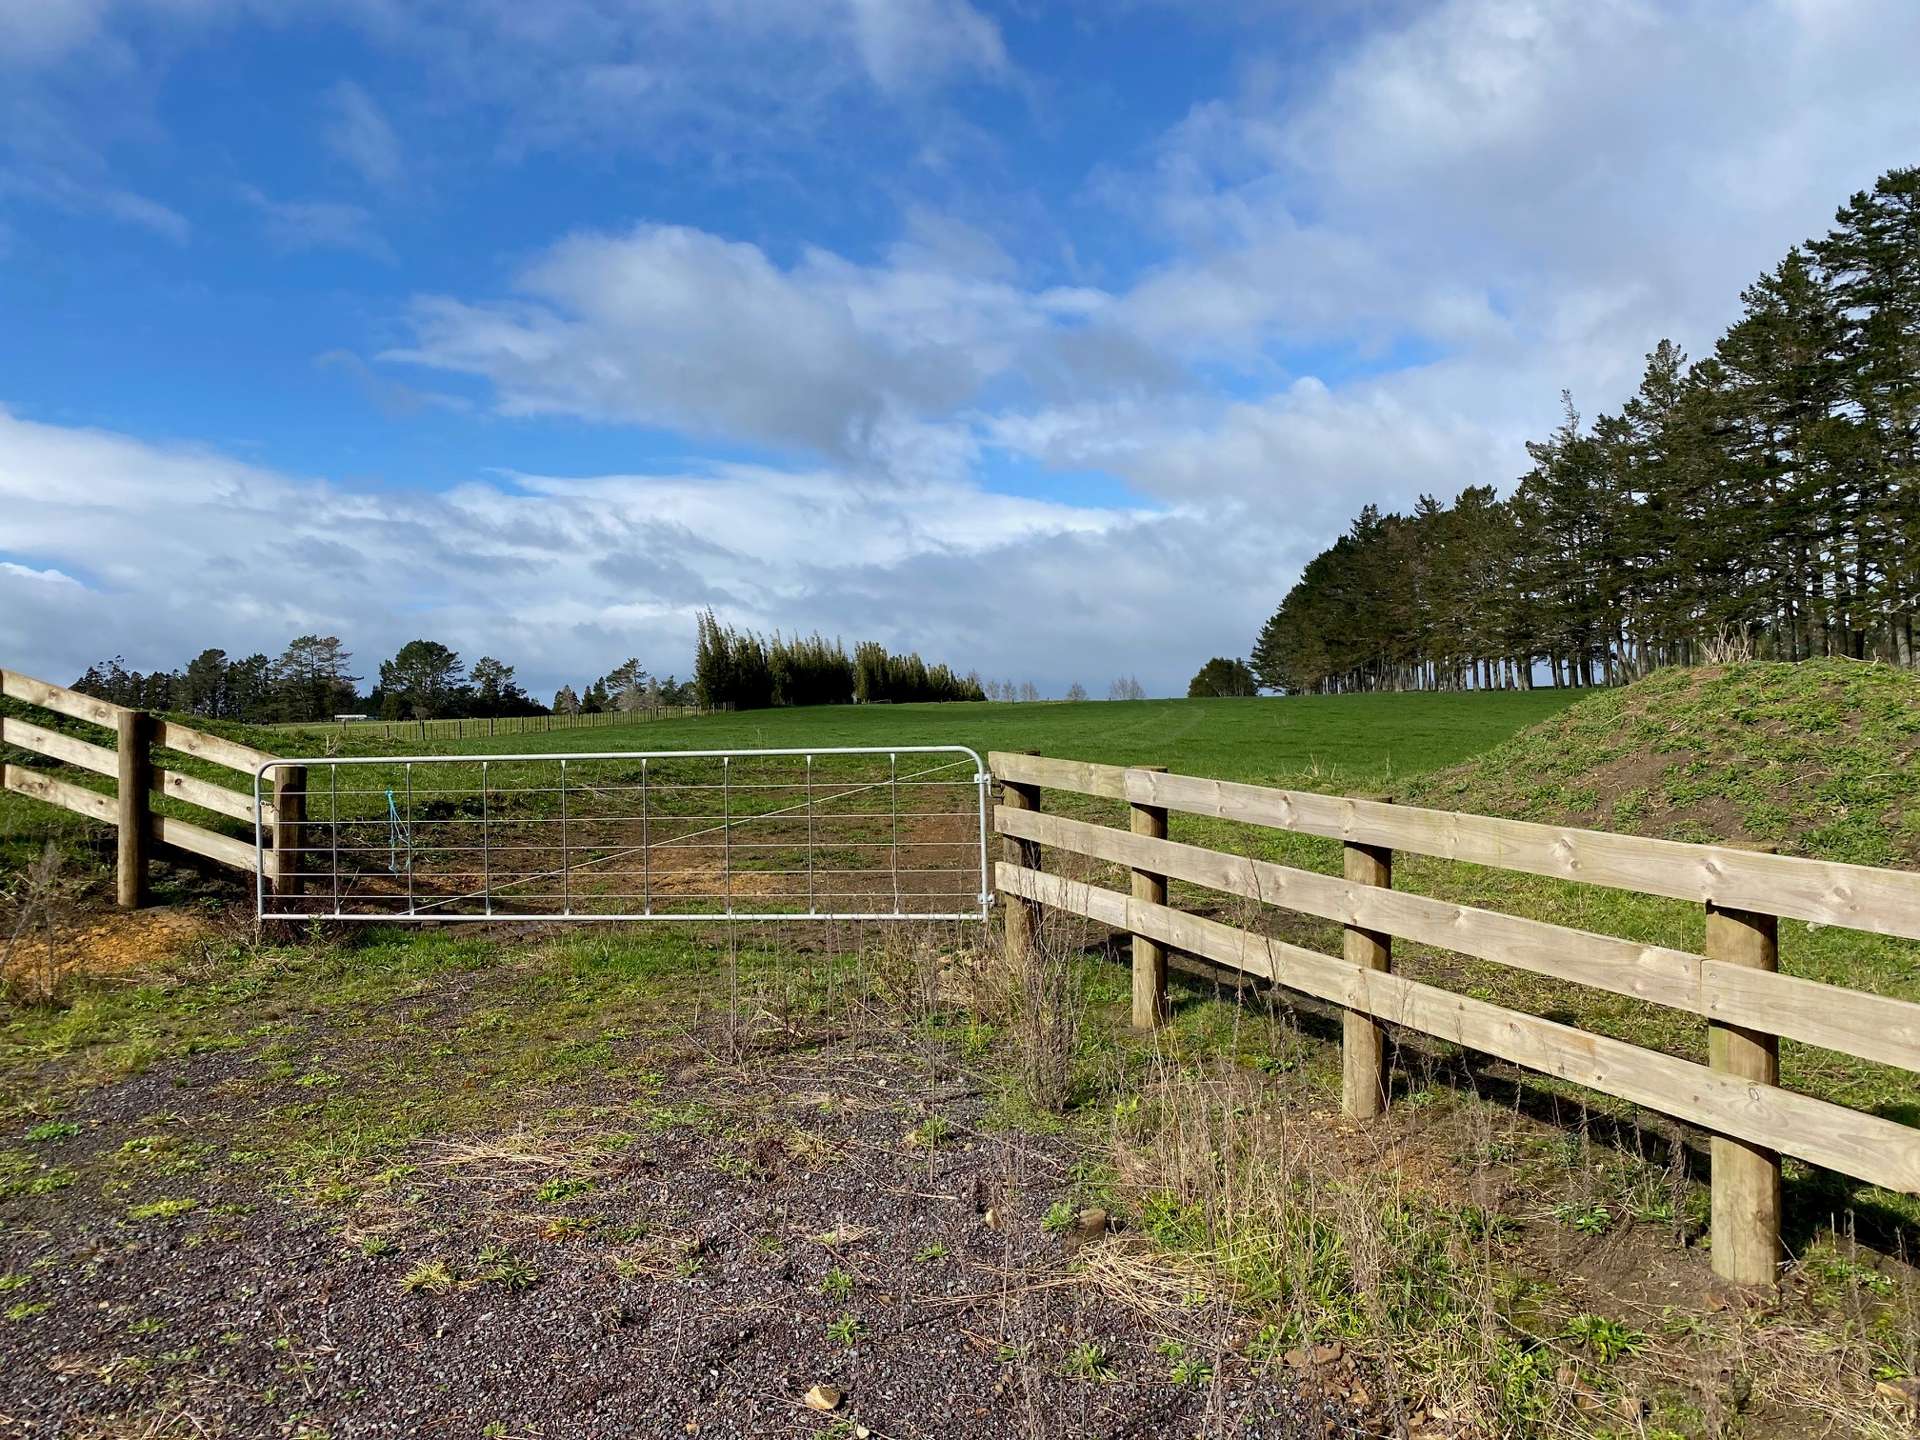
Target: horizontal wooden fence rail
<point>1873,1027</point>
<point>129,763</point>
<point>1748,1005</point>
<point>1825,892</point>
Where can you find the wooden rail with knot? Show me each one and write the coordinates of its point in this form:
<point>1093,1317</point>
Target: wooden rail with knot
<point>1734,984</point>
<point>129,763</point>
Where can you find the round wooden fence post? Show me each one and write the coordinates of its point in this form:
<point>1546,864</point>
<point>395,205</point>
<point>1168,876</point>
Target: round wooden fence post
<point>1150,1008</point>
<point>1363,1043</point>
<point>134,780</point>
<point>1019,922</point>
<point>1746,1177</point>
<point>289,822</point>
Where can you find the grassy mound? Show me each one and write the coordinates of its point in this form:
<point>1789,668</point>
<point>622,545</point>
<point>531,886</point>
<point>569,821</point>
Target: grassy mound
<point>1818,758</point>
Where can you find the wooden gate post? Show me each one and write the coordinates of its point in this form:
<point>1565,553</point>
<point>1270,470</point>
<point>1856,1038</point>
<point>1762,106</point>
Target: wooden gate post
<point>1020,916</point>
<point>1363,1044</point>
<point>134,779</point>
<point>1746,1177</point>
<point>1150,1009</point>
<point>289,823</point>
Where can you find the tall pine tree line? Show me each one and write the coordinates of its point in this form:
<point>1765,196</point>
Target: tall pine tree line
<point>751,672</point>
<point>1770,491</point>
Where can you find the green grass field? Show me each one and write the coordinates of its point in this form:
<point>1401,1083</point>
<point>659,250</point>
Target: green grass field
<point>1364,740</point>
<point>1816,758</point>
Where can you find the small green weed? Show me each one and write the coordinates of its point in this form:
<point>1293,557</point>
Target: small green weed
<point>837,1285</point>
<point>849,1329</point>
<point>433,1276</point>
<point>1088,1361</point>
<point>1187,1368</point>
<point>1833,1270</point>
<point>500,1266</point>
<point>1606,1340</point>
<point>1594,1218</point>
<point>165,1209</point>
<point>931,1133</point>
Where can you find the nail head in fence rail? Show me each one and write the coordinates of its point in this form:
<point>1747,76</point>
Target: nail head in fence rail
<point>828,833</point>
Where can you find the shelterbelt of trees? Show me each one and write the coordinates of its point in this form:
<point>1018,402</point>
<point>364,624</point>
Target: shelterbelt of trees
<point>312,680</point>
<point>749,671</point>
<point>1768,493</point>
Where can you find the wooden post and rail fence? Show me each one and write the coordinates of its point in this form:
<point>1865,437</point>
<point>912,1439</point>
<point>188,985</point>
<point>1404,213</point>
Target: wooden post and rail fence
<point>129,762</point>
<point>1735,984</point>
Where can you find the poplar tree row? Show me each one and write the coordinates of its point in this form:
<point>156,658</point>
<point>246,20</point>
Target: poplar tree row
<point>749,671</point>
<point>1764,499</point>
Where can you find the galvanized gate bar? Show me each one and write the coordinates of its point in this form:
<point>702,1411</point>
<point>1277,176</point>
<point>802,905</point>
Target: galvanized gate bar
<point>933,852</point>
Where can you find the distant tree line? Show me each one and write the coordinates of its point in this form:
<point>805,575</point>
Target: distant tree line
<point>1016,692</point>
<point>309,680</point>
<point>312,680</point>
<point>626,689</point>
<point>1767,495</point>
<point>749,671</point>
<point>1220,678</point>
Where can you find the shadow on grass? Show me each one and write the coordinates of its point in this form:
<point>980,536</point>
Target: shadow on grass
<point>1813,1199</point>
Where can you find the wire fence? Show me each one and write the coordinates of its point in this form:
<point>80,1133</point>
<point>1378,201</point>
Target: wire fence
<point>828,834</point>
<point>473,727</point>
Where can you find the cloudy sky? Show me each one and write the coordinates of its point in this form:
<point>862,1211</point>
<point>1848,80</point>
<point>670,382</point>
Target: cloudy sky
<point>1050,338</point>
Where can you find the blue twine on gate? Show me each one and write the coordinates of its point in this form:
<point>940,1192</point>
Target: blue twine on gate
<point>397,835</point>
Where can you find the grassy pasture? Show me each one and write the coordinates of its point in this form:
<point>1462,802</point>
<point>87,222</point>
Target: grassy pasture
<point>1347,739</point>
<point>1526,1216</point>
<point>1317,742</point>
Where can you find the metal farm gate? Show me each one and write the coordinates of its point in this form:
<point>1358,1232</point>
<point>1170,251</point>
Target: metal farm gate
<point>865,833</point>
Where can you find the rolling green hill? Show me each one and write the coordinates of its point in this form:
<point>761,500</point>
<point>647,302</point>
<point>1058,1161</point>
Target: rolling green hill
<point>1818,758</point>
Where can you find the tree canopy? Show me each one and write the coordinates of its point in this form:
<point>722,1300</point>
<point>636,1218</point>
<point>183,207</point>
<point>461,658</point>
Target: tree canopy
<point>1767,494</point>
<point>749,671</point>
<point>1222,678</point>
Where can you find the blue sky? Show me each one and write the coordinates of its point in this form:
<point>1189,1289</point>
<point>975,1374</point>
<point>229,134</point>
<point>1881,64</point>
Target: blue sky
<point>1048,338</point>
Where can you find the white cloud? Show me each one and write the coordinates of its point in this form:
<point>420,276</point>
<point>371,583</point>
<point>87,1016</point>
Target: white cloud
<point>77,192</point>
<point>1465,211</point>
<point>295,225</point>
<point>670,326</point>
<point>357,130</point>
<point>35,31</point>
<point>566,576</point>
<point>724,81</point>
<point>1368,279</point>
<point>44,577</point>
<point>1554,173</point>
<point>906,41</point>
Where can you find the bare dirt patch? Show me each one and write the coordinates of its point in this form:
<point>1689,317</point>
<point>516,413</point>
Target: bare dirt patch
<point>107,944</point>
<point>700,1229</point>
